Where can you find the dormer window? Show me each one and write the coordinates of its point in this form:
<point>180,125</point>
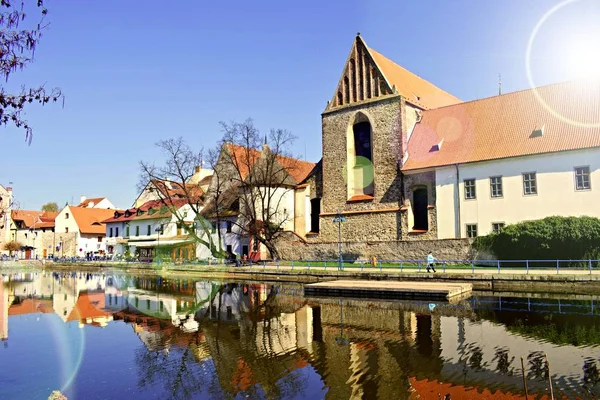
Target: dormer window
<point>139,212</point>
<point>151,211</point>
<point>117,214</point>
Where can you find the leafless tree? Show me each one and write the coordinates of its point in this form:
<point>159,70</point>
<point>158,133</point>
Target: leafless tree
<point>12,246</point>
<point>262,171</point>
<point>17,48</point>
<point>171,183</point>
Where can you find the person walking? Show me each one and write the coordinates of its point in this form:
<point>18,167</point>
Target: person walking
<point>431,262</point>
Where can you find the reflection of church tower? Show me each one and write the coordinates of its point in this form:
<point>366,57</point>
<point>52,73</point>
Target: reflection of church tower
<point>3,312</point>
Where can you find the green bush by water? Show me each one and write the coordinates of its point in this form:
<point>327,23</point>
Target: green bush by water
<point>551,238</point>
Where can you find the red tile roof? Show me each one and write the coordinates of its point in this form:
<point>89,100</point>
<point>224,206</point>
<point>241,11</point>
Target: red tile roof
<point>30,306</point>
<point>245,159</point>
<point>88,305</point>
<point>504,126</point>
<point>86,202</point>
<point>91,220</point>
<point>34,219</point>
<point>162,211</point>
<point>412,87</point>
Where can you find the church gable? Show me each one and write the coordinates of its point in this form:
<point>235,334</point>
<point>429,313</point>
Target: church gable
<point>361,80</point>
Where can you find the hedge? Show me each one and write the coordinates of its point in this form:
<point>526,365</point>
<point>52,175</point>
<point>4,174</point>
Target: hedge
<point>551,238</point>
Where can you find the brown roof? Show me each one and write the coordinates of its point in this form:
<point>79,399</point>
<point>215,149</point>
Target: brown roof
<point>246,158</point>
<point>34,219</point>
<point>91,220</point>
<point>511,125</point>
<point>412,87</point>
<point>86,202</point>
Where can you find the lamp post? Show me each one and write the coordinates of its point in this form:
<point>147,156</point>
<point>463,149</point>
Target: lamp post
<point>159,230</point>
<point>339,218</point>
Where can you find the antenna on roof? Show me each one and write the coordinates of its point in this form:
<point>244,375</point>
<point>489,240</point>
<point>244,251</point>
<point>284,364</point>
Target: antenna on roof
<point>499,84</point>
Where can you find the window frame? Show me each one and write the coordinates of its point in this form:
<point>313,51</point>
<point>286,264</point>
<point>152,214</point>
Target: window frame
<point>501,183</point>
<point>474,188</point>
<point>589,178</point>
<point>467,230</point>
<point>498,223</point>
<point>535,183</point>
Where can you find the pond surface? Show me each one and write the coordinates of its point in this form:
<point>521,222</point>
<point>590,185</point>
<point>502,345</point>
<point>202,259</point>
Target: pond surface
<point>115,336</point>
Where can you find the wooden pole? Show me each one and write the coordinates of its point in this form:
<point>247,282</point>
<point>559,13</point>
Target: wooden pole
<point>549,378</point>
<point>524,379</point>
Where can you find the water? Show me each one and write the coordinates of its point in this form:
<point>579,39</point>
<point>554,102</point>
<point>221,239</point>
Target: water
<point>114,336</point>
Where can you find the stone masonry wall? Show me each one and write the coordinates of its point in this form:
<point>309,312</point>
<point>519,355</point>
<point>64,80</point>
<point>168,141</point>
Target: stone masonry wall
<point>291,248</point>
<point>412,182</point>
<point>385,119</point>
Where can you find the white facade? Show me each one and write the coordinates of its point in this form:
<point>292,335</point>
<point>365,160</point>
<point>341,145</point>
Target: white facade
<point>101,202</point>
<point>231,238</point>
<point>556,192</point>
<point>72,242</point>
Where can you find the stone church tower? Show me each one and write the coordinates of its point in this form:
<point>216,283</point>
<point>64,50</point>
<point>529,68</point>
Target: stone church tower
<point>366,127</point>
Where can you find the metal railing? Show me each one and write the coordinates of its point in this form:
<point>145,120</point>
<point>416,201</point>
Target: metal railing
<point>395,265</point>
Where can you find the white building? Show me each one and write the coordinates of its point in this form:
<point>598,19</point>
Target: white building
<point>81,231</point>
<point>476,166</point>
<point>96,202</point>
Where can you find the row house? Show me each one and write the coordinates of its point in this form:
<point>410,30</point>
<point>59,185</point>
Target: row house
<point>35,231</point>
<point>141,231</point>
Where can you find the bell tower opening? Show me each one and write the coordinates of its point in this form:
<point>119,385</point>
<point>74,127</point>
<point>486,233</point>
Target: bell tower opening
<point>360,159</point>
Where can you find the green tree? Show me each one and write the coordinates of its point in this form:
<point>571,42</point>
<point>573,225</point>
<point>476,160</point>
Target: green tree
<point>50,207</point>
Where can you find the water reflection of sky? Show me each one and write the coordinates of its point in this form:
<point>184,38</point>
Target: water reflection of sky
<point>129,337</point>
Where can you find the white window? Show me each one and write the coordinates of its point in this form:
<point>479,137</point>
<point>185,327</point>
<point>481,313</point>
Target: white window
<point>496,186</point>
<point>582,178</point>
<point>497,226</point>
<point>471,230</point>
<point>470,189</point>
<point>529,183</point>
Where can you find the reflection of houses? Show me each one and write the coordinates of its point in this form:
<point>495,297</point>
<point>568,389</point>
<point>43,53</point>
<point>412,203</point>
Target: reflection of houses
<point>3,312</point>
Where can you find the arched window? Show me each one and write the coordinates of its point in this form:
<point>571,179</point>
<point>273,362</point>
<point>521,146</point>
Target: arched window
<point>353,76</point>
<point>340,98</point>
<point>360,158</point>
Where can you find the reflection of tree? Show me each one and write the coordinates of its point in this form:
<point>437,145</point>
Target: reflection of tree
<point>591,377</point>
<point>504,362</point>
<point>473,357</point>
<point>177,370</point>
<point>538,368</point>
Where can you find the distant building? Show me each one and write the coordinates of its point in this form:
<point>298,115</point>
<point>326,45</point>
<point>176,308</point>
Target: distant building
<point>96,202</point>
<point>6,204</point>
<point>34,230</point>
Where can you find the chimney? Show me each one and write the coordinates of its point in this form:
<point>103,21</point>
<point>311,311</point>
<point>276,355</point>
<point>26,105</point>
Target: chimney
<point>198,168</point>
<point>82,199</point>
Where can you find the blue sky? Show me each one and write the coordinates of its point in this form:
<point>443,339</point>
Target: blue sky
<point>136,72</point>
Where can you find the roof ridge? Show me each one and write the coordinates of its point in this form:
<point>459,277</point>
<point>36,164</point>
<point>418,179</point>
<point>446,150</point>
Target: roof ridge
<point>506,94</point>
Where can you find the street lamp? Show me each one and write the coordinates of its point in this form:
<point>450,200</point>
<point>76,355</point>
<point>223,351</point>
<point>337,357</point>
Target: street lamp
<point>339,218</point>
<point>159,230</point>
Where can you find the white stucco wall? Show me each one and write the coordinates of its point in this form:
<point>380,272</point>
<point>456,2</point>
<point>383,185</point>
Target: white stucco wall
<point>556,194</point>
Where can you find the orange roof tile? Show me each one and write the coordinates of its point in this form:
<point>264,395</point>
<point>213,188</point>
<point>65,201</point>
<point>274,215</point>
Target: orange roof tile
<point>246,158</point>
<point>87,202</point>
<point>91,220</point>
<point>34,219</point>
<point>426,389</point>
<point>412,87</point>
<point>88,305</point>
<point>503,126</point>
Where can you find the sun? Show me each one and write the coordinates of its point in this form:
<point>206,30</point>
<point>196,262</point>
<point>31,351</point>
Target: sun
<point>582,57</point>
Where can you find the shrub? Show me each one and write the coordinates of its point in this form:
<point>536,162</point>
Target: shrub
<point>551,238</point>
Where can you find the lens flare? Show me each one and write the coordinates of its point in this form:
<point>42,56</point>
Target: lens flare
<point>583,57</point>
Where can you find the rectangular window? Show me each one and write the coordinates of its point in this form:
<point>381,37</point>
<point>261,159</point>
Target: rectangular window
<point>99,239</point>
<point>117,232</point>
<point>470,189</point>
<point>66,215</point>
<point>471,230</point>
<point>582,178</point>
<point>496,186</point>
<point>67,230</point>
<point>137,230</point>
<point>529,183</point>
<point>229,224</point>
<point>110,232</point>
<point>149,230</point>
<point>127,231</point>
<point>497,226</point>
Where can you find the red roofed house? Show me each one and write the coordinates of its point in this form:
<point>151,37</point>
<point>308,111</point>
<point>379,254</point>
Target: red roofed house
<point>81,231</point>
<point>405,160</point>
<point>35,231</point>
<point>96,202</point>
<point>149,226</point>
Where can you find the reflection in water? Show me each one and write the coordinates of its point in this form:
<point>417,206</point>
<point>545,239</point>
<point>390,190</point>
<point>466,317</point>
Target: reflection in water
<point>213,339</point>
